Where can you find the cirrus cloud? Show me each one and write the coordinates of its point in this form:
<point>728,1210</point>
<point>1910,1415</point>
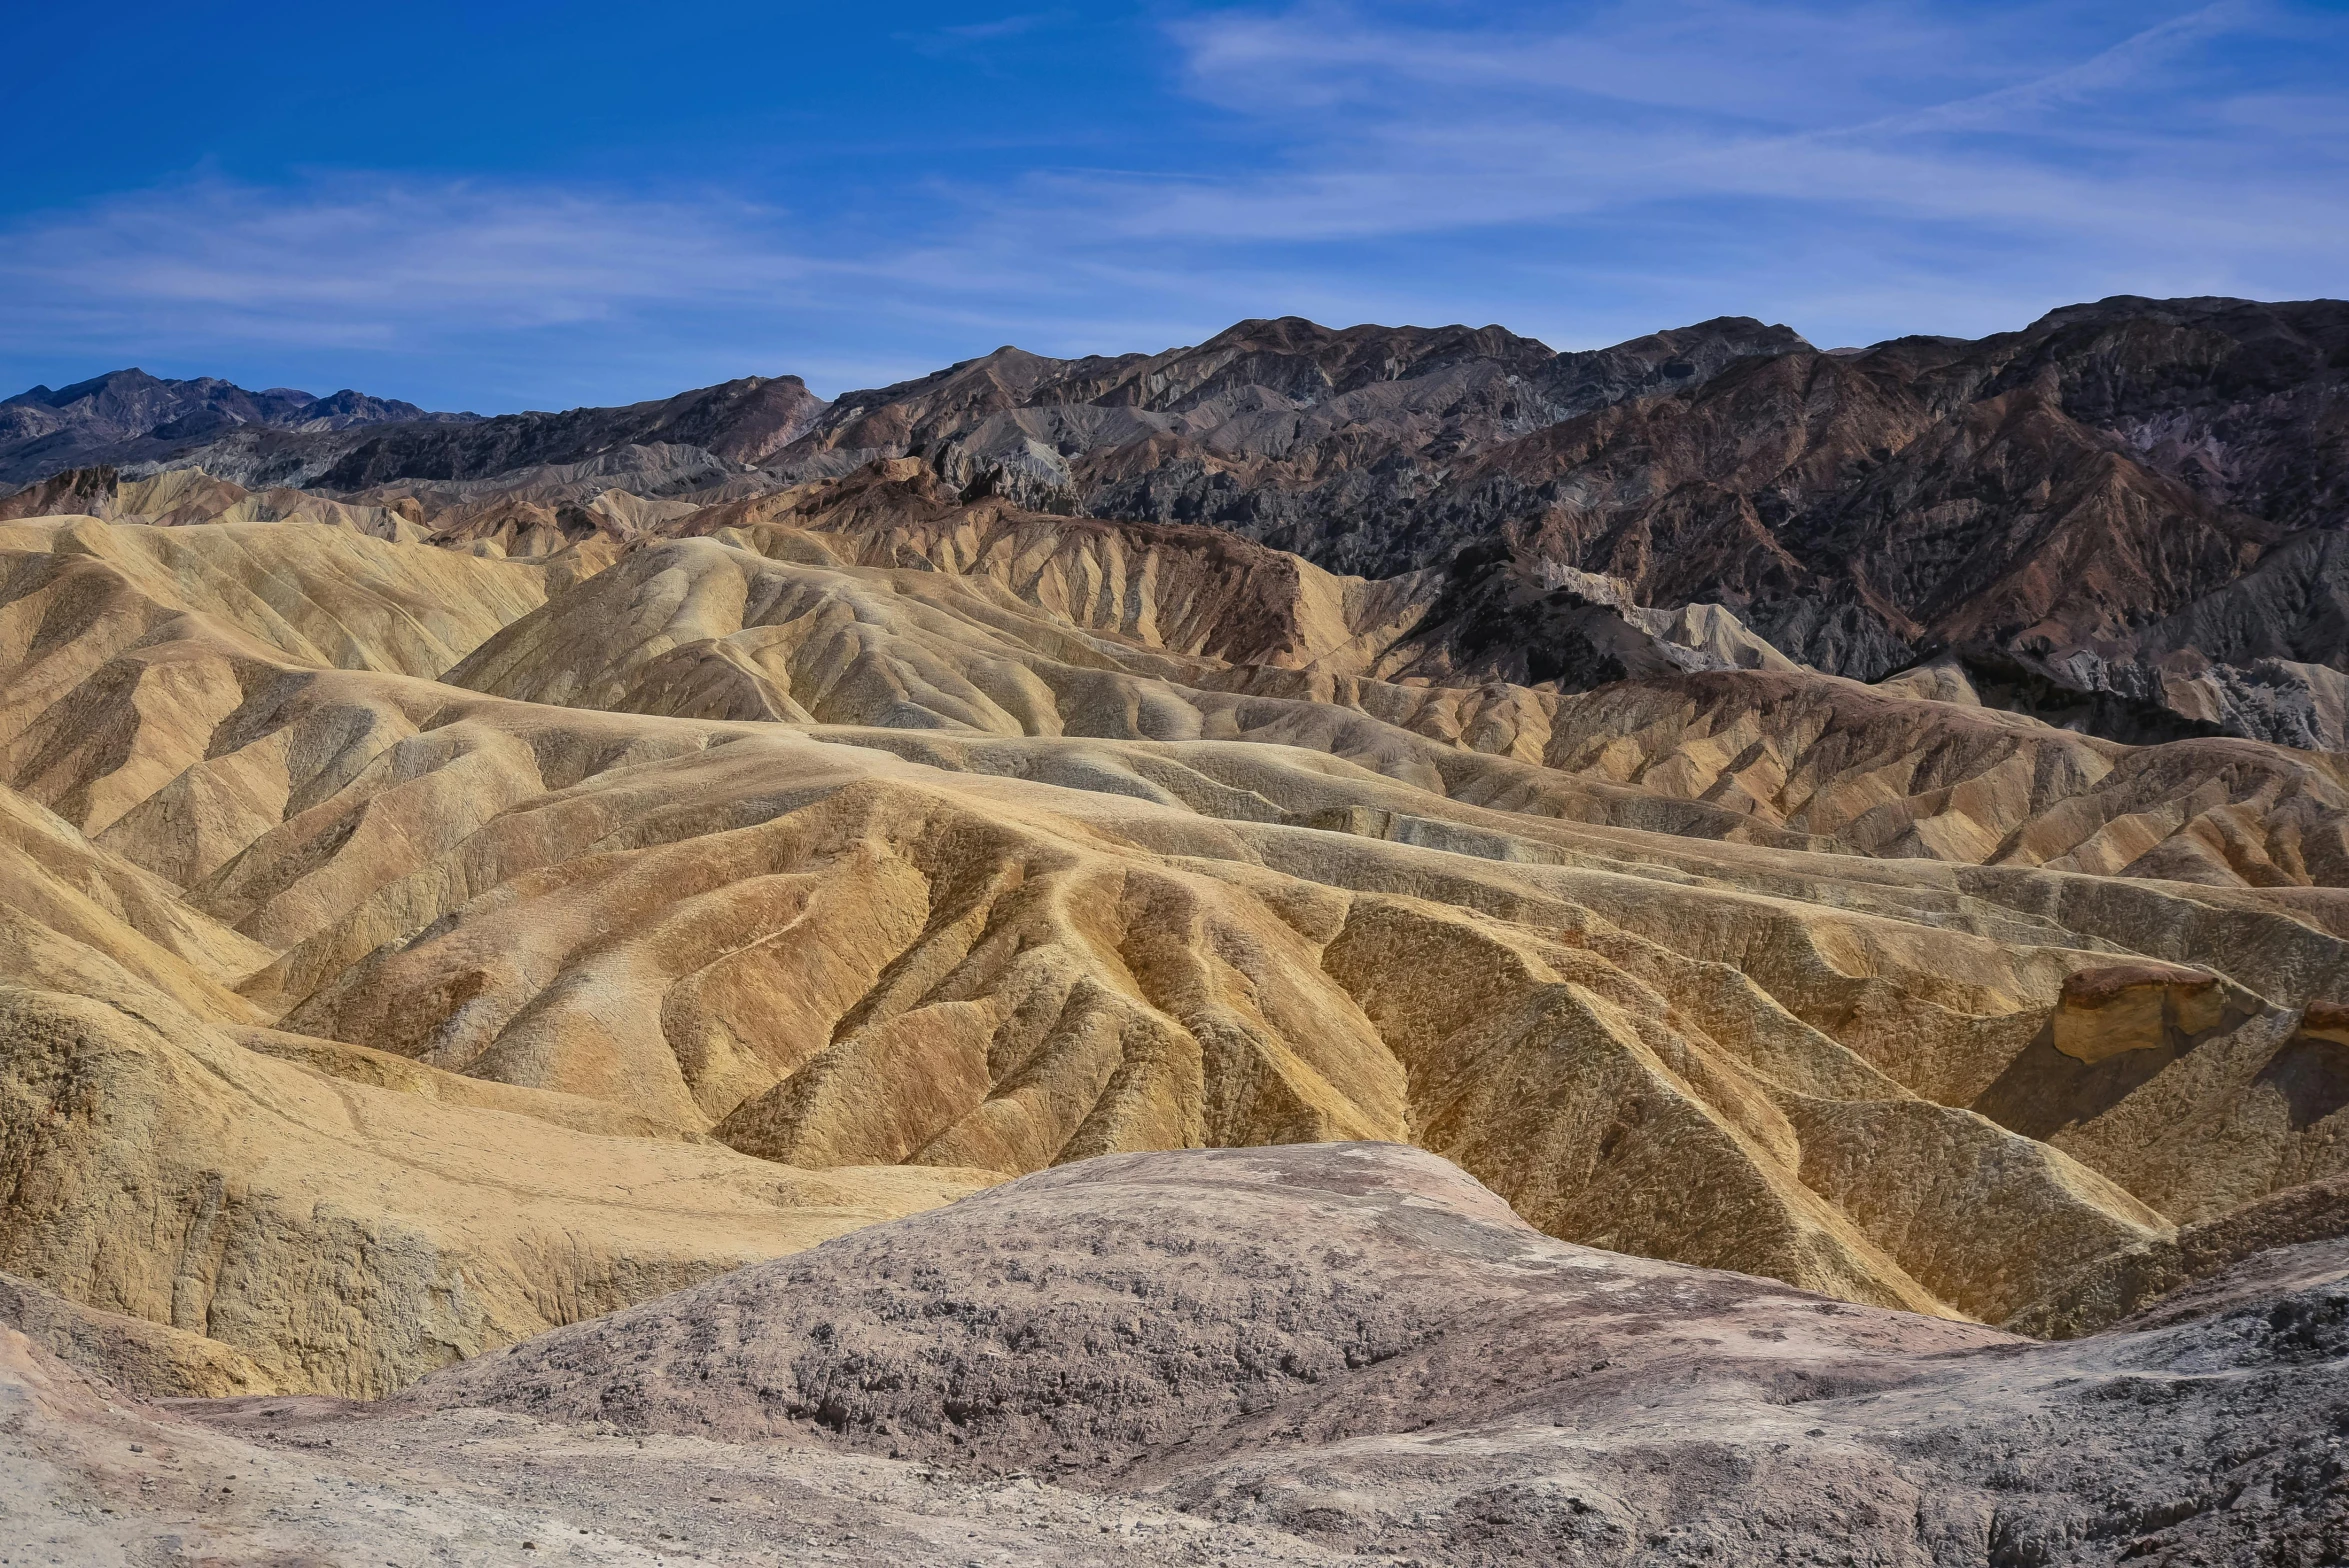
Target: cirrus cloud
<point>1582,174</point>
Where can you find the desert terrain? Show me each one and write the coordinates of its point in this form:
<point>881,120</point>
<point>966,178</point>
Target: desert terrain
<point>1375,945</point>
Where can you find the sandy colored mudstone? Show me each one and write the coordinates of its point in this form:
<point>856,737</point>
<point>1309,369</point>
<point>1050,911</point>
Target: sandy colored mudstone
<point>351,1237</point>
<point>2108,1011</point>
<point>415,941</point>
<point>135,1353</point>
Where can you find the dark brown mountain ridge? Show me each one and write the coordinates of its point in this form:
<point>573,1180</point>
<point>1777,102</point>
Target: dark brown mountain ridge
<point>2121,517</point>
<point>2126,518</point>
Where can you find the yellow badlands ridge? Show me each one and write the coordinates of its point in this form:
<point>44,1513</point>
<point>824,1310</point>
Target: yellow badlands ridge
<point>412,945</point>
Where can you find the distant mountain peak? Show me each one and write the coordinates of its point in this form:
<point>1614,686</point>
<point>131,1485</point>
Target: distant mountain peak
<point>128,416</point>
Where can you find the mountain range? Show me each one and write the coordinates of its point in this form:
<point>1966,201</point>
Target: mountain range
<point>2125,517</point>
<point>1371,945</point>
<point>127,416</point>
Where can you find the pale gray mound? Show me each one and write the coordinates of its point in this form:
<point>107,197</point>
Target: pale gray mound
<point>1359,1347</point>
<point>1106,1312</point>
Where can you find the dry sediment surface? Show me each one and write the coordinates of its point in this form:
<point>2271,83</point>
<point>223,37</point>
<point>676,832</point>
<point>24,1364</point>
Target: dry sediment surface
<point>1301,1355</point>
<point>478,906</point>
<point>416,949</point>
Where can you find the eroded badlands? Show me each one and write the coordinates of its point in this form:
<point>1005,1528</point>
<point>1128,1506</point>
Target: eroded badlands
<point>443,914</point>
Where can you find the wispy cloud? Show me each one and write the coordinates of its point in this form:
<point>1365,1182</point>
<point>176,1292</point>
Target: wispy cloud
<point>963,38</point>
<point>373,260</point>
<point>1854,167</point>
<point>2054,148</point>
<point>1005,26</point>
<point>1401,127</point>
<point>614,293</point>
<point>2123,67</point>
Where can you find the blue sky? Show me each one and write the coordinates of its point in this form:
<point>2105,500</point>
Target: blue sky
<point>504,206</point>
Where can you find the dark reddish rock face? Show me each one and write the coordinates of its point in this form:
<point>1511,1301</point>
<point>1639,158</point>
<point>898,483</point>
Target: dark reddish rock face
<point>2125,517</point>
<point>2094,988</point>
<point>2132,1007</point>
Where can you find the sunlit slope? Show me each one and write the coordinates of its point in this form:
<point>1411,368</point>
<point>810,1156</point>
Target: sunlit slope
<point>432,947</point>
<point>785,624</point>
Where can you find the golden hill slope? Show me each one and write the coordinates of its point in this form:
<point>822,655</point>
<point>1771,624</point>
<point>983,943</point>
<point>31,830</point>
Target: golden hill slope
<point>849,866</point>
<point>1013,624</point>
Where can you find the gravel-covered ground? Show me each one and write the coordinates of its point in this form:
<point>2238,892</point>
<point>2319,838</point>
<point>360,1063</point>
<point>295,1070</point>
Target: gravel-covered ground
<point>1290,1355</point>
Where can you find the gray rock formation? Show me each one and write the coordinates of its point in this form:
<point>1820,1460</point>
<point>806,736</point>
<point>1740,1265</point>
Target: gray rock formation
<point>1356,1351</point>
<point>1303,1355</point>
<point>1328,442</point>
<point>1319,1338</point>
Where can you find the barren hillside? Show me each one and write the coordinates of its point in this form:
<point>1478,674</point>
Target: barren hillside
<point>479,897</point>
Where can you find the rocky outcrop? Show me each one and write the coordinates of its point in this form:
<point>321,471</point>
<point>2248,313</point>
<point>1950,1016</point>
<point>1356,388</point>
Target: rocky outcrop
<point>2301,1221</point>
<point>1113,1315</point>
<point>742,422</point>
<point>1315,440</point>
<point>1298,1356</point>
<point>2036,501</point>
<point>2323,1020</point>
<point>143,1357</point>
<point>2124,515</point>
<point>2133,1007</point>
<point>350,441</point>
<point>345,1236</point>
